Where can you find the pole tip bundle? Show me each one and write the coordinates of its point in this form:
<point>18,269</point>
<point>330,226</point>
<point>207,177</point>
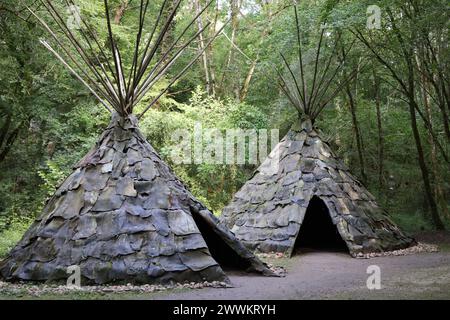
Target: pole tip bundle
<point>101,68</point>
<point>310,96</point>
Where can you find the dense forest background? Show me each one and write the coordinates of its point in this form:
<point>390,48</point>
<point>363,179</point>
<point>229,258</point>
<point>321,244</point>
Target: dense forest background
<point>390,124</point>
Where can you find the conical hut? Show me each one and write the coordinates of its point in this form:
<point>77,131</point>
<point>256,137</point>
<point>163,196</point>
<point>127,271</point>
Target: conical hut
<point>123,215</point>
<point>303,194</point>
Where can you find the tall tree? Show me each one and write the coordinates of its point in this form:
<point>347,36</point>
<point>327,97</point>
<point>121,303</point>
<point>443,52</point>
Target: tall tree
<point>402,68</point>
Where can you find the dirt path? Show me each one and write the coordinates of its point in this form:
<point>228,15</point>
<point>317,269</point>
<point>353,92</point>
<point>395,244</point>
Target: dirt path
<point>328,275</point>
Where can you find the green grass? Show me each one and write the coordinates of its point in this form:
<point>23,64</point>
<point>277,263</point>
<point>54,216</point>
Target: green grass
<point>10,237</point>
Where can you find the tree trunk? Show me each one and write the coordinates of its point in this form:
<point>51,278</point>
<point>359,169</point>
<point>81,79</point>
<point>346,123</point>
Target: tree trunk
<point>201,46</point>
<point>234,5</point>
<point>445,123</point>
<point>249,77</point>
<point>380,130</point>
<point>5,128</point>
<point>445,118</point>
<point>235,8</point>
<point>439,225</point>
<point>446,96</point>
<point>120,11</point>
<point>357,133</point>
<point>212,67</point>
<point>438,190</point>
<point>9,143</point>
<point>169,37</point>
<point>355,125</point>
<point>246,86</point>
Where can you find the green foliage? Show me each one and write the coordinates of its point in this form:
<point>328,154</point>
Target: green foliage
<point>58,121</point>
<point>213,184</point>
<point>52,177</point>
<point>10,236</point>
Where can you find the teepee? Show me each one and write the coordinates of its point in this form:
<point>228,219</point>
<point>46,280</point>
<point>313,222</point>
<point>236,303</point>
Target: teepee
<point>303,193</point>
<point>123,215</point>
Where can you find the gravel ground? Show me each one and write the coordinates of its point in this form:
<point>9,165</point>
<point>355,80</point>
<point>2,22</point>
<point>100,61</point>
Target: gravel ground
<point>416,273</point>
<point>333,275</point>
<point>310,275</point>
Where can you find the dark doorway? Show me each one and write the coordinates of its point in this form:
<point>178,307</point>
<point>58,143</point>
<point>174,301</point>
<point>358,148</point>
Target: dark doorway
<point>226,257</point>
<point>317,231</point>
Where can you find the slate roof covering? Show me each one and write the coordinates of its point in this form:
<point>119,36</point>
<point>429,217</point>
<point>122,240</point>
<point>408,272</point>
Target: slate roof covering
<point>267,212</point>
<point>123,215</point>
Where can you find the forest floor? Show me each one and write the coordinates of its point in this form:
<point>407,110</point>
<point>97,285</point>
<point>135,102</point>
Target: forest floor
<point>318,275</point>
<point>332,275</point>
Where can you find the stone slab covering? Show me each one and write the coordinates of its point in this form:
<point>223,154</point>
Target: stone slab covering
<point>122,216</point>
<point>267,212</point>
